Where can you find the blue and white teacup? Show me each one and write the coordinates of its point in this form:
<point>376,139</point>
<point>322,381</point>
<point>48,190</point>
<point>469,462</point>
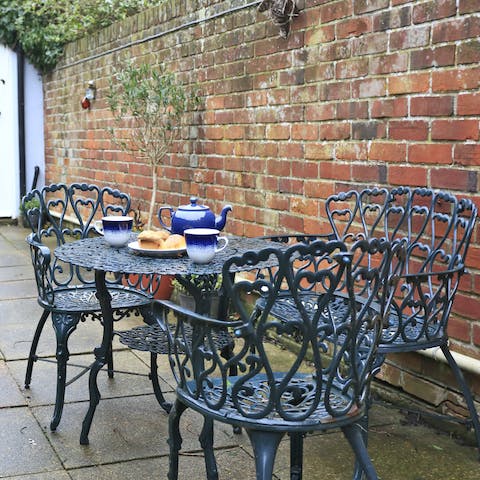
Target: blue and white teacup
<point>202,243</point>
<point>115,229</point>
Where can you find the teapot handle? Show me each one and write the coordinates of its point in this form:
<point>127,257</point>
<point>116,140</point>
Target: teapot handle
<point>162,223</point>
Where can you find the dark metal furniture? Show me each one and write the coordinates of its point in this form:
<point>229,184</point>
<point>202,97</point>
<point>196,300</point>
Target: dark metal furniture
<point>97,255</point>
<point>57,214</point>
<point>436,227</point>
<point>326,383</point>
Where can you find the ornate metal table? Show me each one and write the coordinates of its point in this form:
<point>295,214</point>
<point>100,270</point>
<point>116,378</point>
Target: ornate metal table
<point>96,254</point>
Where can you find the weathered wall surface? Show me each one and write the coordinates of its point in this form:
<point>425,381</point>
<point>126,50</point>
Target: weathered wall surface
<point>365,92</point>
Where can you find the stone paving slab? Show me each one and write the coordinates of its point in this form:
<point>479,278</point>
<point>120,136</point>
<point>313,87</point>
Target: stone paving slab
<point>24,449</point>
<point>10,395</point>
<point>19,289</point>
<point>42,391</point>
<point>19,318</point>
<point>122,429</point>
<point>16,273</point>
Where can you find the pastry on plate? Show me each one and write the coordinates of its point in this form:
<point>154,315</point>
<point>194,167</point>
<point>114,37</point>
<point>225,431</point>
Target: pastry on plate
<point>174,242</point>
<point>152,239</point>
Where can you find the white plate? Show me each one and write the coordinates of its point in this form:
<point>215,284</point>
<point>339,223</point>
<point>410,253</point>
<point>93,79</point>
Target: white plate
<point>153,252</point>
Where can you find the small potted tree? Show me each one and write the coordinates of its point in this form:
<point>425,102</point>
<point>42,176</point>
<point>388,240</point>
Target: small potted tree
<point>153,106</point>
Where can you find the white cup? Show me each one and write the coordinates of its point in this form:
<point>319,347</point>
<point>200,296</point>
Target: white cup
<point>202,244</point>
<point>115,229</point>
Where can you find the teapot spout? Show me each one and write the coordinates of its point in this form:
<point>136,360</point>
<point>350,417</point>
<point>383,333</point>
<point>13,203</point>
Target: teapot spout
<point>221,219</point>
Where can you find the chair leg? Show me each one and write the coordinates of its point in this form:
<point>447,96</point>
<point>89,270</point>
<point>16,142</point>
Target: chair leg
<point>296,456</point>
<point>64,325</point>
<point>174,438</point>
<point>167,406</point>
<point>265,445</point>
<point>354,435</point>
<point>32,357</point>
<point>110,369</point>
<point>206,441</point>
<point>466,393</point>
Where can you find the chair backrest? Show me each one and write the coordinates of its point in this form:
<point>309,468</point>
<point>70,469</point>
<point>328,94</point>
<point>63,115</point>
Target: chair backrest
<point>60,213</point>
<point>436,228</point>
<point>336,334</point>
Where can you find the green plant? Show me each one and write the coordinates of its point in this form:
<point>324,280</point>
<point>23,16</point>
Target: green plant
<point>41,28</point>
<point>153,105</point>
<point>28,205</point>
<point>208,282</point>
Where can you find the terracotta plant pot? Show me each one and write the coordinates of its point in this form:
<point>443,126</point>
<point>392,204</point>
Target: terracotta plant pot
<point>161,285</point>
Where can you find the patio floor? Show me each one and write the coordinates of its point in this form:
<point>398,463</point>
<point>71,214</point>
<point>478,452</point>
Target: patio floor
<point>128,434</point>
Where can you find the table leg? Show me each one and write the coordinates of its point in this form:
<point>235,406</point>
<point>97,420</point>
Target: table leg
<point>101,352</point>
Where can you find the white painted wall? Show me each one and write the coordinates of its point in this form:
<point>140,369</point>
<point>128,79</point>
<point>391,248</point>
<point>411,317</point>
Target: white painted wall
<point>34,135</point>
<point>9,170</point>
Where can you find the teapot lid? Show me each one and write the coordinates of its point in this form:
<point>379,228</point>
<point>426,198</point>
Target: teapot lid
<point>193,206</point>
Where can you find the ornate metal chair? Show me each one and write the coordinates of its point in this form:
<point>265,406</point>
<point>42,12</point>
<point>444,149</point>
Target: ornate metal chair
<point>324,387</point>
<point>65,213</point>
<point>436,228</point>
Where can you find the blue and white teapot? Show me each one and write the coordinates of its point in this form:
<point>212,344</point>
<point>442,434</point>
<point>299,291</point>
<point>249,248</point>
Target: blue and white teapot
<point>193,216</point>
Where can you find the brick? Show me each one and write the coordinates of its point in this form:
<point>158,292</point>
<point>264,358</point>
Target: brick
<point>353,27</point>
<point>388,152</point>
<point>414,37</point>
<point>408,130</point>
<point>335,10</point>
<point>467,154</point>
<point>440,153</point>
<point>413,83</point>
<point>278,132</point>
<point>304,131</point>
<point>351,151</point>
<point>318,151</point>
<point>433,10</point>
<point>352,110</point>
<point>392,18</point>
<point>396,107</point>
<point>335,170</point>
<point>375,87</point>
<point>455,130</point>
<point>431,106</point>
<point>407,175</point>
<point>458,29</point>
<point>352,68</point>
<point>320,111</point>
<point>368,130</point>
<point>335,91</point>
<point>467,6</point>
<point>320,34</point>
<point>454,80</point>
<point>333,131</point>
<point>367,6</point>
<point>370,44</point>
<point>454,179</point>
<point>469,52</point>
<point>392,63</point>
<point>369,173</point>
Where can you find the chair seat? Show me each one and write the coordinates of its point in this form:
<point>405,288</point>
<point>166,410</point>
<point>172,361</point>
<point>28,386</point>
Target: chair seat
<point>255,394</point>
<point>412,335</point>
<point>82,299</point>
<point>153,338</point>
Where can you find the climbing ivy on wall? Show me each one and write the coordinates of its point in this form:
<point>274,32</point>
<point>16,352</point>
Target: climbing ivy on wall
<point>41,28</point>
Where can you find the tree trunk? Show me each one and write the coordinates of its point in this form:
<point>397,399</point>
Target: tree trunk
<point>153,197</point>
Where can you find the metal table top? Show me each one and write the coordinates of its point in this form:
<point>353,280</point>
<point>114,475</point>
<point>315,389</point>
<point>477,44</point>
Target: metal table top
<point>96,253</point>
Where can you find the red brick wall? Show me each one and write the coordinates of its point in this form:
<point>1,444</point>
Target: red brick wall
<point>377,92</point>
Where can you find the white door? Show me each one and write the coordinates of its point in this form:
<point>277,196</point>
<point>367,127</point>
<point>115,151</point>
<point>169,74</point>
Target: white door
<point>9,164</point>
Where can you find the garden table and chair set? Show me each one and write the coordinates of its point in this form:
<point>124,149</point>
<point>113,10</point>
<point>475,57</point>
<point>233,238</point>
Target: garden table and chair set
<point>382,281</point>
